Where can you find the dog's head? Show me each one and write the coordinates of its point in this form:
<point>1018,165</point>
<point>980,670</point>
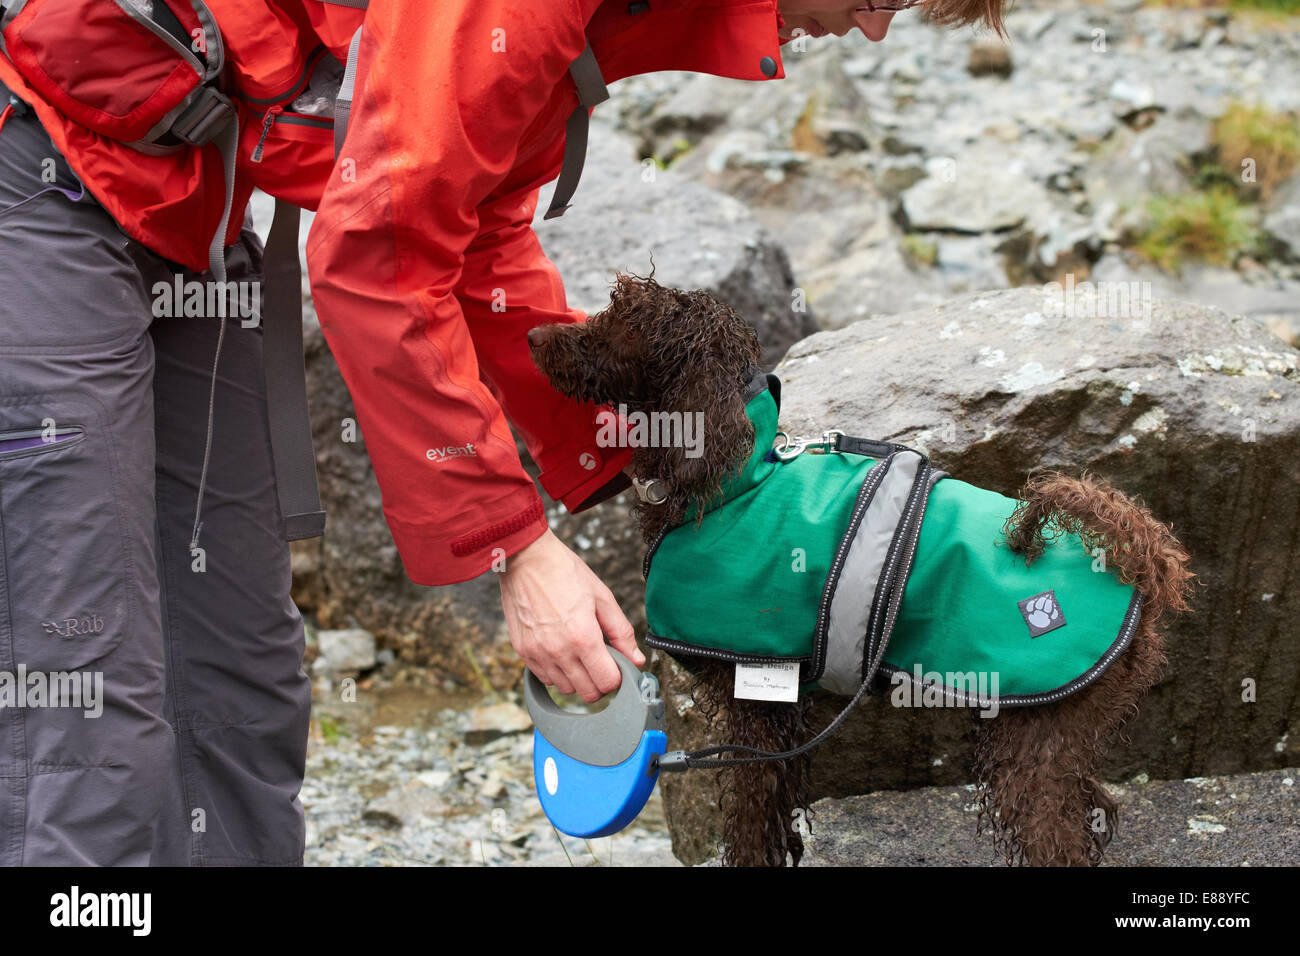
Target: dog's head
<point>657,350</point>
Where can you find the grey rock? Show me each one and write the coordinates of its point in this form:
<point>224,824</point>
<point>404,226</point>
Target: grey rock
<point>1271,300</point>
<point>990,58</point>
<point>625,212</point>
<point>1238,820</point>
<point>1282,218</point>
<point>352,649</point>
<point>973,193</point>
<point>406,806</point>
<point>492,721</point>
<point>1134,165</point>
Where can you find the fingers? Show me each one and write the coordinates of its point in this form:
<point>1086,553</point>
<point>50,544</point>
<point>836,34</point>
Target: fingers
<point>583,669</point>
<point>600,668</point>
<point>616,626</point>
<point>558,614</point>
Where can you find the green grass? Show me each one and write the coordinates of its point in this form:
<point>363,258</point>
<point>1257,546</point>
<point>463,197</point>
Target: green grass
<point>1269,6</point>
<point>1213,227</point>
<point>329,729</point>
<point>1283,7</point>
<point>1255,133</point>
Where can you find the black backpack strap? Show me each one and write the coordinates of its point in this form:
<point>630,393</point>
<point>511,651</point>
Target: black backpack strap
<point>286,380</point>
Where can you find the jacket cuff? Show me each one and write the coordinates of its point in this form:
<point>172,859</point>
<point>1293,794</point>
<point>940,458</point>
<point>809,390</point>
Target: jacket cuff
<point>585,476</point>
<point>433,558</point>
<point>619,483</point>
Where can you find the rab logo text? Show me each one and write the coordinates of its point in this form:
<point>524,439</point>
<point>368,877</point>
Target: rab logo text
<point>437,455</point>
<point>75,627</point>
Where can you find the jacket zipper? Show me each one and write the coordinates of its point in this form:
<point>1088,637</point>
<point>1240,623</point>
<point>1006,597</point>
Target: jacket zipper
<point>267,122</point>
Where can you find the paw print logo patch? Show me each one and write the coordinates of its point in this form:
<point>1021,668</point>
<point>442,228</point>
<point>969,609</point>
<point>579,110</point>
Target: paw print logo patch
<point>1042,613</point>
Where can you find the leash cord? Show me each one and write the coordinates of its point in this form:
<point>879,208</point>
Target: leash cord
<point>705,759</point>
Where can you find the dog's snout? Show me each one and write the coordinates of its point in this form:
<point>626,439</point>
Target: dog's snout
<point>536,336</point>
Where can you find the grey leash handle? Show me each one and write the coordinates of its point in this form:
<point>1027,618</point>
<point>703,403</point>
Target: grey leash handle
<point>608,737</point>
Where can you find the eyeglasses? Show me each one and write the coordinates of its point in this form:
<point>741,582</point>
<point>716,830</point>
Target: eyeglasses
<point>889,6</point>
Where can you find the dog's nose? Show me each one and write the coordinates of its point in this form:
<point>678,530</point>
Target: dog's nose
<point>536,336</point>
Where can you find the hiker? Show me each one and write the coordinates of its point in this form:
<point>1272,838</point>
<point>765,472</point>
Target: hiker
<point>154,461</point>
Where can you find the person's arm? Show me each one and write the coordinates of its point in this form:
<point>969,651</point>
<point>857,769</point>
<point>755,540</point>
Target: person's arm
<point>443,96</point>
<point>507,287</point>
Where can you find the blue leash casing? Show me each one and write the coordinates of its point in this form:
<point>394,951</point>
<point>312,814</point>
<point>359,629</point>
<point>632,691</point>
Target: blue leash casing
<point>594,772</point>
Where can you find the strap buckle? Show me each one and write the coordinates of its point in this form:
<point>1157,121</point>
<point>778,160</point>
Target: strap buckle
<point>203,119</point>
<point>788,448</point>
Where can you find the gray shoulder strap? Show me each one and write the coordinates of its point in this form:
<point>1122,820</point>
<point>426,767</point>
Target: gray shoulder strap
<point>343,101</point>
<point>591,90</point>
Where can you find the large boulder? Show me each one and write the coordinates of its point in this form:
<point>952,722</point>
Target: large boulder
<point>1250,819</point>
<point>628,213</point>
<point>1195,410</point>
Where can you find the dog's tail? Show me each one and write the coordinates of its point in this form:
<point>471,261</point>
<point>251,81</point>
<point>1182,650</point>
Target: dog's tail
<point>1142,548</point>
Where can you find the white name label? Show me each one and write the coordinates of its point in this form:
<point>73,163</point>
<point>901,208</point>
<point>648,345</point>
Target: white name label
<point>768,682</point>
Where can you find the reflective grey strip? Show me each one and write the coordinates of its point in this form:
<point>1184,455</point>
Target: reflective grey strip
<point>851,601</point>
<point>591,90</point>
<point>898,568</point>
<point>343,102</point>
<point>355,4</point>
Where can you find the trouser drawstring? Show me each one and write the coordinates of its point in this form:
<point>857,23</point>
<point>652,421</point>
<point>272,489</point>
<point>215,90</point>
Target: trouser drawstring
<point>226,141</point>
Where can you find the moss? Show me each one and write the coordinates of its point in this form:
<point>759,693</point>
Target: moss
<point>803,137</point>
<point>1291,7</point>
<point>1213,226</point>
<point>920,250</point>
<point>329,729</point>
<point>1255,134</point>
<point>1267,8</point>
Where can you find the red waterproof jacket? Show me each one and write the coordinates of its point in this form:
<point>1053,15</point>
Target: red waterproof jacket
<point>426,273</point>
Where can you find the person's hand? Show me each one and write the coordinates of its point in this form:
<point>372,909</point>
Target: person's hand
<point>558,614</point>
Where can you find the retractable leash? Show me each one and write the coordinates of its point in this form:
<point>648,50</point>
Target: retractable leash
<point>595,772</point>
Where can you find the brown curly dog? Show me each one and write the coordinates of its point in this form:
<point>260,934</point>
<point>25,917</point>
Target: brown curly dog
<point>658,349</point>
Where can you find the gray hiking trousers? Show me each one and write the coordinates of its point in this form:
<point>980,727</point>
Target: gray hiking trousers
<point>198,753</point>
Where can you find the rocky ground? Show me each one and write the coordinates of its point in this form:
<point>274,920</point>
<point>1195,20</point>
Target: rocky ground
<point>409,774</point>
<point>412,775</point>
<point>1248,819</point>
<point>940,161</point>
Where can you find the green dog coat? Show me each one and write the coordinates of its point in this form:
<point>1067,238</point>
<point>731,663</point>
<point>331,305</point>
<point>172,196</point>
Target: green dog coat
<point>867,560</point>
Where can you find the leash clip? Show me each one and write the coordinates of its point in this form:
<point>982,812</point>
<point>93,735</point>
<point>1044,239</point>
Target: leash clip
<point>788,448</point>
<point>650,490</point>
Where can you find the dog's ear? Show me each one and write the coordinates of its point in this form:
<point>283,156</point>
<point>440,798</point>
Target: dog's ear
<point>722,433</point>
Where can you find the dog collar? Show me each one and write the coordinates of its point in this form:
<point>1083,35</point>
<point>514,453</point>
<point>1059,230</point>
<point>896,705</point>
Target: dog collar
<point>754,381</point>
